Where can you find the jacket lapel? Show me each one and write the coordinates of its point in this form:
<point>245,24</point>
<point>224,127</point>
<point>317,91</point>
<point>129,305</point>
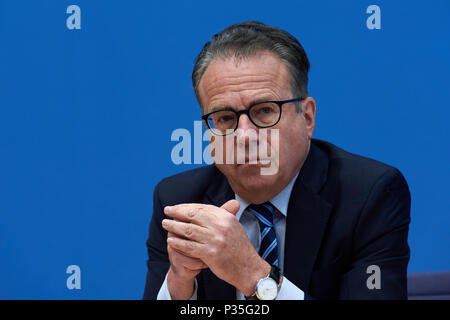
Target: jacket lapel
<point>306,221</point>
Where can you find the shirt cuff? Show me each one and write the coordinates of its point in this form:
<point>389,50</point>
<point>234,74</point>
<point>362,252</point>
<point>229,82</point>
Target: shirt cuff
<point>164,293</point>
<point>290,291</point>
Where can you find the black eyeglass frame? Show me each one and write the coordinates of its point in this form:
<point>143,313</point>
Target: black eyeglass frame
<point>247,112</point>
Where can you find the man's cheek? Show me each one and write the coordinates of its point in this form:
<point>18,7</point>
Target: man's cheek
<point>269,150</point>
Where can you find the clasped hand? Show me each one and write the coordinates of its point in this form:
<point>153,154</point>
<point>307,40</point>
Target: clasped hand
<point>205,236</point>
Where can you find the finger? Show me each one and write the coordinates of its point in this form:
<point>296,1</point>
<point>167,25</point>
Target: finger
<point>232,206</point>
<point>189,248</point>
<point>186,230</point>
<point>199,214</point>
<point>171,235</point>
<point>179,259</point>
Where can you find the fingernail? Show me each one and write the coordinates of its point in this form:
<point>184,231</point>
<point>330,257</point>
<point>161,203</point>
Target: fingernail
<point>167,208</point>
<point>165,222</point>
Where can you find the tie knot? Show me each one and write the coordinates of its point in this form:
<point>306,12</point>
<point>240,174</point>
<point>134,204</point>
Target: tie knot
<point>263,212</point>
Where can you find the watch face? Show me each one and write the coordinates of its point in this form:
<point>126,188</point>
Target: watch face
<point>267,289</point>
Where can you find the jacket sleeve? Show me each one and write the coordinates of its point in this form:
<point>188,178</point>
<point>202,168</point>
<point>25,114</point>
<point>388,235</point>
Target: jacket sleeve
<point>380,253</point>
<point>158,260</point>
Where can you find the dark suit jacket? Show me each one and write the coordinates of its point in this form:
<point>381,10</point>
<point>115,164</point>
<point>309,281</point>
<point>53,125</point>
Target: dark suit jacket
<point>345,213</point>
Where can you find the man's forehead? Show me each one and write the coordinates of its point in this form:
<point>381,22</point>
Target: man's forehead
<point>257,77</point>
<point>248,102</point>
<point>238,64</point>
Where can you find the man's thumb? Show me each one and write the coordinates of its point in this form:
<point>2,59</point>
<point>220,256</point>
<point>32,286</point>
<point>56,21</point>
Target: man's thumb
<point>231,206</point>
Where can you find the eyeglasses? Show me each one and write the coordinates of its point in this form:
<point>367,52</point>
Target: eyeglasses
<point>262,114</point>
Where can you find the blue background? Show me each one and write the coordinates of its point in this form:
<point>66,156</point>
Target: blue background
<point>86,118</point>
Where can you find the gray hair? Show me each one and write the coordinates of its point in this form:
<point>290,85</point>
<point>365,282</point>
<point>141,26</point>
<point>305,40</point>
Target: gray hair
<point>245,39</point>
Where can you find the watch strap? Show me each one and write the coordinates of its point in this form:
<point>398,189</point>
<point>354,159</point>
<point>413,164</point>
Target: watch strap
<point>275,274</point>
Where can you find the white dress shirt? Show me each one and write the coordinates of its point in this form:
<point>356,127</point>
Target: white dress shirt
<point>288,290</point>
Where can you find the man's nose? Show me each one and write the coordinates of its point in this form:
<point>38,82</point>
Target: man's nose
<point>246,132</point>
<point>245,124</point>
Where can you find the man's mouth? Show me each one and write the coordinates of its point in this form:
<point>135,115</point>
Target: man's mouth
<point>257,161</point>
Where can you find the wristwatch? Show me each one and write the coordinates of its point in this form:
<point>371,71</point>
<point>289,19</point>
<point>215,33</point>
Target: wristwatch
<point>267,288</point>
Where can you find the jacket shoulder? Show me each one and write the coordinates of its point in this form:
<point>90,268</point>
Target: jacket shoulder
<point>352,165</point>
<point>358,174</point>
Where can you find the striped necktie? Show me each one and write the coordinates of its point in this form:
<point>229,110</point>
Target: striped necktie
<point>268,249</point>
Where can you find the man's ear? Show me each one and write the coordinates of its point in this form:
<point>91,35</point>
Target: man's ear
<point>309,113</point>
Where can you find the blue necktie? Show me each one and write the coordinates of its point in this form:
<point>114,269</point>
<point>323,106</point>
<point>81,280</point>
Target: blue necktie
<point>269,246</point>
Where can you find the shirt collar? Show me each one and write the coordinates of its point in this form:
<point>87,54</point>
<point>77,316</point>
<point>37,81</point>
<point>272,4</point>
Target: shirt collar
<point>280,201</point>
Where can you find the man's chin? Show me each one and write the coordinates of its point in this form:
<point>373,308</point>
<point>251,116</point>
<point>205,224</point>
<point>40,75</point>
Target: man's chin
<point>247,181</point>
<point>252,175</point>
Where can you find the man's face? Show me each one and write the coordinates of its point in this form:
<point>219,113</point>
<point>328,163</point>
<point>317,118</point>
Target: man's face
<point>239,83</point>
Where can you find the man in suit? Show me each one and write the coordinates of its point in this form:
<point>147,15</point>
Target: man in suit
<point>326,224</point>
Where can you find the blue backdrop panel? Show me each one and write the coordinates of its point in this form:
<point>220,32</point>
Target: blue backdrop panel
<point>86,117</point>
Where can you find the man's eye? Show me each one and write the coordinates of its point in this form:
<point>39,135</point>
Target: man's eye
<point>265,110</point>
<point>225,119</point>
